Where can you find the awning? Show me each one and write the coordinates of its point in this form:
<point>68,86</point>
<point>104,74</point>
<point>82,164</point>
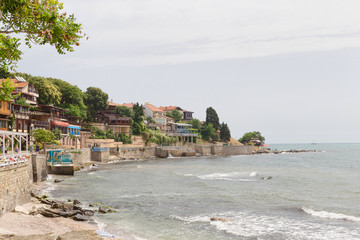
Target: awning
<point>75,127</point>
<point>59,123</point>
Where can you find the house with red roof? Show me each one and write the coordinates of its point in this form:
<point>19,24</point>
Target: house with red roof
<point>155,113</point>
<point>187,115</point>
<point>25,89</point>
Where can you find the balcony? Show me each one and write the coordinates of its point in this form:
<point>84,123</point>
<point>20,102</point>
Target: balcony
<point>40,123</point>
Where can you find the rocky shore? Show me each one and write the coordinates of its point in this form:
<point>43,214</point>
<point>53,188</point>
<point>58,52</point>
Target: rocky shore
<point>48,219</point>
<point>269,151</point>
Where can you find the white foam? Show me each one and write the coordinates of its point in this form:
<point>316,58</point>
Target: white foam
<point>330,215</point>
<point>233,176</point>
<point>253,225</point>
<point>253,174</point>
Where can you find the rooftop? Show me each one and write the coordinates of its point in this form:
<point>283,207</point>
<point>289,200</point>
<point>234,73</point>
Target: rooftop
<point>153,108</point>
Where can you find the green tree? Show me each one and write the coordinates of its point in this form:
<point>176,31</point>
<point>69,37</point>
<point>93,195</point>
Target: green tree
<point>196,124</point>
<point>57,133</point>
<point>175,114</point>
<point>41,22</point>
<point>225,134</point>
<point>21,101</point>
<point>208,132</point>
<point>43,136</point>
<point>7,87</point>
<point>212,117</point>
<point>124,111</point>
<point>48,92</point>
<point>96,100</point>
<point>3,74</point>
<point>137,123</point>
<point>252,136</point>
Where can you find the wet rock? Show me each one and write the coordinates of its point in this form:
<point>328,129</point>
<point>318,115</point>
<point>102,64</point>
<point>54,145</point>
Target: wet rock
<point>218,219</point>
<point>58,180</point>
<point>76,202</point>
<point>102,210</point>
<point>68,206</point>
<point>80,217</point>
<point>88,213</point>
<point>266,178</point>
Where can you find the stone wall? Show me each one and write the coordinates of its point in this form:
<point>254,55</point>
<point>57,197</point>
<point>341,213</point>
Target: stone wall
<point>15,181</point>
<point>80,157</point>
<point>39,168</point>
<point>102,156</point>
<point>134,153</point>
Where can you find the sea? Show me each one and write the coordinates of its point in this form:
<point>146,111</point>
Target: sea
<point>313,195</point>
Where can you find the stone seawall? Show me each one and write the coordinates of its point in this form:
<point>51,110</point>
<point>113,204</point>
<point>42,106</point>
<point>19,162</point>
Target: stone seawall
<point>134,153</point>
<point>15,182</point>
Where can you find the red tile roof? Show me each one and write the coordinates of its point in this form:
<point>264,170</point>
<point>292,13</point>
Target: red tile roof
<point>153,108</point>
<point>17,83</point>
<point>128,105</point>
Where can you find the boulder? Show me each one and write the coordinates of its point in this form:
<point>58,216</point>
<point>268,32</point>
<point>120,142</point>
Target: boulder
<point>80,217</point>
<point>76,202</point>
<point>68,206</point>
<point>218,219</point>
<point>58,180</point>
<point>102,210</point>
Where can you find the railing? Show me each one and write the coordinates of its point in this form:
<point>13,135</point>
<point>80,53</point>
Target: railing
<point>41,123</point>
<point>11,159</point>
<point>97,149</point>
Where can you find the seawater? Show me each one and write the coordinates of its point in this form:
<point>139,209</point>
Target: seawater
<point>285,196</point>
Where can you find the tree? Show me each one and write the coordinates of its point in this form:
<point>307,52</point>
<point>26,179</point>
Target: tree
<point>208,132</point>
<point>3,74</point>
<point>41,22</point>
<point>21,101</point>
<point>7,87</point>
<point>57,133</point>
<point>48,92</point>
<point>196,124</point>
<point>247,137</point>
<point>224,132</point>
<point>175,114</point>
<point>137,123</point>
<point>96,100</point>
<point>43,136</point>
<point>212,117</point>
<point>124,111</point>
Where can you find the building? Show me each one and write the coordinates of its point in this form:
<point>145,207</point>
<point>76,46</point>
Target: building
<point>155,113</point>
<point>5,114</point>
<point>183,132</point>
<point>22,118</point>
<point>187,115</point>
<point>116,123</point>
<point>25,89</point>
<point>112,105</point>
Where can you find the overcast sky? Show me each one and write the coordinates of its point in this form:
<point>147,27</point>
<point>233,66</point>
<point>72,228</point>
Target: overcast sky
<point>289,69</point>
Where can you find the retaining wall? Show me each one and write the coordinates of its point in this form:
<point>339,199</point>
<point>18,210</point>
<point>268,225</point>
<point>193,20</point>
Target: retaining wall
<point>80,156</point>
<point>15,181</point>
<point>39,168</point>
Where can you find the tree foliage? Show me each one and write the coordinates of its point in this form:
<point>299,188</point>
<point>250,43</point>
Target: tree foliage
<point>57,133</point>
<point>137,123</point>
<point>96,100</point>
<point>225,134</point>
<point>208,132</point>
<point>196,124</point>
<point>21,101</point>
<point>7,87</point>
<point>175,114</point>
<point>247,137</point>
<point>48,92</point>
<point>212,117</point>
<point>43,136</point>
<point>124,111</point>
<point>41,22</point>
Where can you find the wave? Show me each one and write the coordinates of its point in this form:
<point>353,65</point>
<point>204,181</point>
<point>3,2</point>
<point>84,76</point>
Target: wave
<point>262,226</point>
<point>232,176</point>
<point>330,215</point>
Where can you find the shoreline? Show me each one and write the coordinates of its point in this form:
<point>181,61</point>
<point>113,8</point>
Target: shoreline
<point>26,223</point>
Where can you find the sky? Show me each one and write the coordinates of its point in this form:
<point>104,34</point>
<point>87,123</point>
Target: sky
<point>289,69</point>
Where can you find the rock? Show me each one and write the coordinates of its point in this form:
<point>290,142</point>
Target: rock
<point>218,219</point>
<point>266,178</point>
<point>80,217</point>
<point>68,206</point>
<point>21,209</point>
<point>58,180</point>
<point>76,202</point>
<point>102,210</point>
<point>88,213</point>
<point>91,205</point>
<point>47,213</point>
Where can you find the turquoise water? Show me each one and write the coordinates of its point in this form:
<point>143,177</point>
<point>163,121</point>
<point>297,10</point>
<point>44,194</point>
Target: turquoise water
<point>284,196</point>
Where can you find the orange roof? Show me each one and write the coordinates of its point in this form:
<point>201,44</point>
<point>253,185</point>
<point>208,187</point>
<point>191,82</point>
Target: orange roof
<point>153,108</point>
<point>128,105</point>
<point>169,108</point>
<point>17,83</point>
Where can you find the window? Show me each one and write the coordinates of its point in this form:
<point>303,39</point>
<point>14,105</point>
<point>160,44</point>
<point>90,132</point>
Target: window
<point>1,124</point>
<point>8,106</point>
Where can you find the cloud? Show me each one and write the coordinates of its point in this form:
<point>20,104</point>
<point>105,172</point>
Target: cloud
<point>152,32</point>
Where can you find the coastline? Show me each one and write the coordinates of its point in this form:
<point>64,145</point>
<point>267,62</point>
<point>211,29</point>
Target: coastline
<point>24,223</point>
